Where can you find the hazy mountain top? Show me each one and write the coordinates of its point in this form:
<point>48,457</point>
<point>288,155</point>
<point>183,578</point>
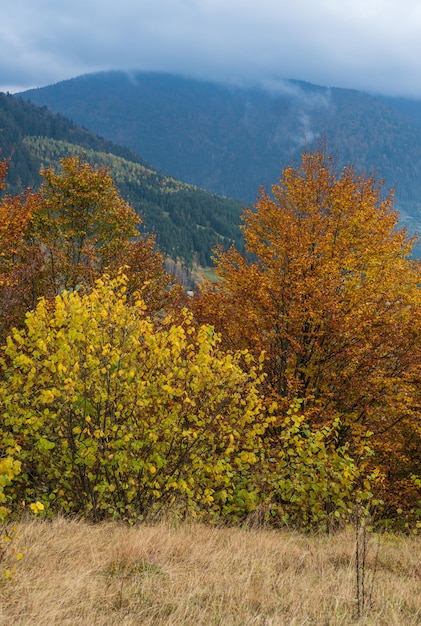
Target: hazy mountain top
<point>231,139</point>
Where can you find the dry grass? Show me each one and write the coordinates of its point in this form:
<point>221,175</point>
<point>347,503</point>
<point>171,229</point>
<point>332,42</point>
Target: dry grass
<point>106,575</point>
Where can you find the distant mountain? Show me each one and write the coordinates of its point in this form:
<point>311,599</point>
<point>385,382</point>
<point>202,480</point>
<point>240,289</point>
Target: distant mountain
<point>231,140</point>
<point>188,222</point>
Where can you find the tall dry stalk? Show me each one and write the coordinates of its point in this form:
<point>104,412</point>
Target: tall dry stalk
<point>364,583</point>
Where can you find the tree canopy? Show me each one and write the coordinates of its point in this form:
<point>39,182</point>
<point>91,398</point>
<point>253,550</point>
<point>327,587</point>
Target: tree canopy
<point>292,386</point>
<point>66,234</point>
<point>328,291</point>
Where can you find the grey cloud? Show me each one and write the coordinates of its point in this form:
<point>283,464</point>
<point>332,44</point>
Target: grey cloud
<point>365,44</point>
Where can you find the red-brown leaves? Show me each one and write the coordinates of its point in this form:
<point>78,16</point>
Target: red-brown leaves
<point>65,235</point>
<point>330,295</point>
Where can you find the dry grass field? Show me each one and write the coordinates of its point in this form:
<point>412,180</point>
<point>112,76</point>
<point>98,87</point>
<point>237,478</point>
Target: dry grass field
<point>76,574</point>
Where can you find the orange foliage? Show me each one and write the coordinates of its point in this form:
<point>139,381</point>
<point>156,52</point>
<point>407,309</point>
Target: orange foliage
<point>19,260</point>
<point>66,234</point>
<point>328,291</point>
<point>15,214</point>
<point>80,216</point>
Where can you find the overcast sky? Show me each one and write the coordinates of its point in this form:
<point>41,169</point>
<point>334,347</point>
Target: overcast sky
<point>371,45</point>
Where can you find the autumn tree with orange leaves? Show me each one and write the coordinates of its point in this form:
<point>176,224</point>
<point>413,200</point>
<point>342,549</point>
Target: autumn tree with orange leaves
<point>85,226</point>
<point>66,234</point>
<point>20,259</point>
<point>328,291</point>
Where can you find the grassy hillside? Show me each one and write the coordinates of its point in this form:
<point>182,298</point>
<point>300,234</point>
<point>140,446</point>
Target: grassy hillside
<point>194,575</point>
<point>187,221</point>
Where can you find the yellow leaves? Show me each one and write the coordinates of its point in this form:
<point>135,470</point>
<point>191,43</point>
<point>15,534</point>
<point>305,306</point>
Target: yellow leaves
<point>41,345</point>
<point>189,433</point>
<point>367,485</point>
<point>61,368</point>
<point>248,457</point>
<point>168,389</point>
<point>24,361</point>
<point>147,402</point>
<point>9,468</point>
<point>207,497</point>
<point>36,507</point>
<point>140,304</point>
<point>47,396</point>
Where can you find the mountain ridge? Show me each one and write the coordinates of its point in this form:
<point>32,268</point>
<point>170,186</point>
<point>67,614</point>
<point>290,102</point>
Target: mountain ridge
<point>187,221</point>
<point>233,139</point>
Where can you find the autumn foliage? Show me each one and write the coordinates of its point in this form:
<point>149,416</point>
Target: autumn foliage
<point>115,418</point>
<point>66,234</point>
<point>329,293</point>
<point>290,390</point>
<point>113,415</point>
<point>19,259</point>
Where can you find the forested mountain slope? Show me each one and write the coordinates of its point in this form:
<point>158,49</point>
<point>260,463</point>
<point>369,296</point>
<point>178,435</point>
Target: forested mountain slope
<point>188,222</point>
<point>232,139</point>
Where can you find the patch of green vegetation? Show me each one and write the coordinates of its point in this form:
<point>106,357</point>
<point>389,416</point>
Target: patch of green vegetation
<point>187,222</point>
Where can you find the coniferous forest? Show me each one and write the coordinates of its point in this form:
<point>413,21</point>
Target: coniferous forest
<point>187,221</point>
<point>232,139</point>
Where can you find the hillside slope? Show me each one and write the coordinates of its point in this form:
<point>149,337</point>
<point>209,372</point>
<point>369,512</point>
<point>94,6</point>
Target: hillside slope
<point>188,222</point>
<point>226,139</point>
<point>231,139</point>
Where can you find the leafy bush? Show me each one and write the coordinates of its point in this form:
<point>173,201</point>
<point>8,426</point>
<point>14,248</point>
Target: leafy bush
<point>309,480</point>
<point>117,416</point>
<point>9,469</point>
